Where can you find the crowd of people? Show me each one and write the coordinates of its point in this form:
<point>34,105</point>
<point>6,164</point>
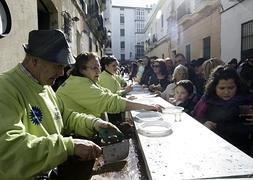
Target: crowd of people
<point>53,106</point>
<point>210,90</point>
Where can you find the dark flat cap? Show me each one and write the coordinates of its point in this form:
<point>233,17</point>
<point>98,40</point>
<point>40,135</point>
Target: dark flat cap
<point>49,45</point>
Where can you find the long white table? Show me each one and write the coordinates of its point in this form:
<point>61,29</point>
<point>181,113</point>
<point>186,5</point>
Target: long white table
<point>191,152</point>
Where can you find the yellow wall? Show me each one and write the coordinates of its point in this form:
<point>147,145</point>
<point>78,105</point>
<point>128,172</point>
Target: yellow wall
<point>194,35</point>
<point>162,48</point>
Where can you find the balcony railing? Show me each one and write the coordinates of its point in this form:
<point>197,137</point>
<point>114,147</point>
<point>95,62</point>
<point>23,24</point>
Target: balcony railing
<point>183,9</point>
<point>202,5</point>
<point>93,7</point>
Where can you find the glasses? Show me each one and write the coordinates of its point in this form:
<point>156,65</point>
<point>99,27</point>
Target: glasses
<point>156,66</point>
<point>95,68</point>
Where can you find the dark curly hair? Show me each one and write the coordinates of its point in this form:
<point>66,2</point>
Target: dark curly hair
<point>223,73</point>
<point>106,60</point>
<point>187,85</point>
<point>162,66</point>
<point>81,61</point>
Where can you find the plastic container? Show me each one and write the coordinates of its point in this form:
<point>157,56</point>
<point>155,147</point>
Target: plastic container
<point>155,129</point>
<point>176,110</point>
<point>148,116</point>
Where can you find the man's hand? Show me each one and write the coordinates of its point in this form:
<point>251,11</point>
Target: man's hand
<point>99,124</point>
<point>107,131</point>
<point>86,150</point>
<point>155,107</point>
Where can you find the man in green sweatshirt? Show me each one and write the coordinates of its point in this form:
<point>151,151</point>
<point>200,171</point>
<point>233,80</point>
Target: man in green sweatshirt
<point>34,121</point>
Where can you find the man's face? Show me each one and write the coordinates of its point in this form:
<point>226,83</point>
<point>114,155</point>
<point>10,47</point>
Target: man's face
<point>180,60</point>
<point>47,72</point>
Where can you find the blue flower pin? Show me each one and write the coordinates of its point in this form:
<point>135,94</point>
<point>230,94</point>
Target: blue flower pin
<point>35,115</point>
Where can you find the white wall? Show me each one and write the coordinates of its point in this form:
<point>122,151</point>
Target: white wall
<point>231,21</point>
<point>130,37</point>
<point>129,33</point>
<point>24,19</point>
<point>115,19</point>
<point>129,26</point>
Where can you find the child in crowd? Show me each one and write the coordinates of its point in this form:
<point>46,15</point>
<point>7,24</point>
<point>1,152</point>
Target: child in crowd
<point>184,95</point>
<point>219,108</point>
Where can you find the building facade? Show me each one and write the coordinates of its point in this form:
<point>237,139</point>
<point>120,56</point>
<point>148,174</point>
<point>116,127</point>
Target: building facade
<point>183,26</point>
<point>236,29</point>
<point>81,21</point>
<point>127,31</point>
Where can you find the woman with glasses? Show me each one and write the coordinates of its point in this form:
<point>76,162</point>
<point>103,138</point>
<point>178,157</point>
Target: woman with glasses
<point>161,79</point>
<point>81,92</point>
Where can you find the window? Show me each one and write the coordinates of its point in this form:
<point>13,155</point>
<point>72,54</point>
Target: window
<point>139,26</point>
<point>122,57</point>
<point>207,47</point>
<point>122,32</point>
<point>122,9</point>
<point>122,45</point>
<point>90,44</point>
<point>139,14</point>
<point>247,37</point>
<point>96,48</point>
<point>122,19</point>
<point>188,52</point>
<point>139,50</point>
<point>174,52</point>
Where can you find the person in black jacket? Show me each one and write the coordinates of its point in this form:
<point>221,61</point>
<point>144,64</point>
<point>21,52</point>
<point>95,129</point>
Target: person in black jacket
<point>148,73</point>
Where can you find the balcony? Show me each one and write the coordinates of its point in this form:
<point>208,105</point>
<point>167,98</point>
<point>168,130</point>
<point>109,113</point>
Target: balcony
<point>84,6</point>
<point>102,4</point>
<point>183,9</point>
<point>93,8</point>
<point>202,6</point>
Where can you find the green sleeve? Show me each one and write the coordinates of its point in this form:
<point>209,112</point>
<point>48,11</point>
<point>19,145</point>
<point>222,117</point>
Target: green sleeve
<point>111,83</point>
<point>90,98</point>
<point>77,123</point>
<point>22,154</point>
<point>121,80</point>
<point>99,100</point>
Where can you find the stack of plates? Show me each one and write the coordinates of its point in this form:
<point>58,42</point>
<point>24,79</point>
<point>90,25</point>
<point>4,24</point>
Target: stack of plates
<point>152,124</point>
<point>147,116</point>
<point>155,129</point>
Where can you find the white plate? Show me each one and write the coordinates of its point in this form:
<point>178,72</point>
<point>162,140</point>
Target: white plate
<point>148,116</point>
<point>155,129</point>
